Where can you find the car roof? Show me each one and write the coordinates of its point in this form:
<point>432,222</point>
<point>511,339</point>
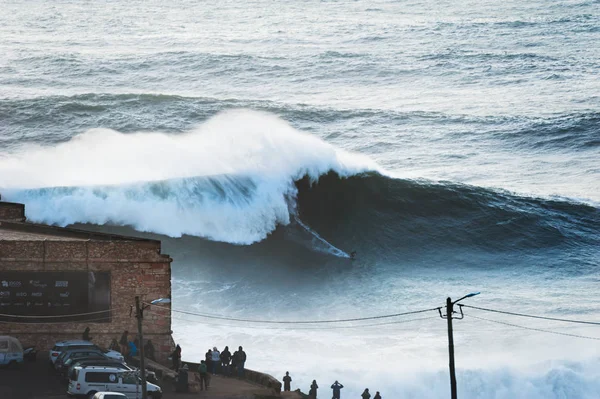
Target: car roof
<point>86,349</point>
<point>82,358</point>
<point>74,342</point>
<point>119,394</point>
<point>70,354</point>
<point>71,349</point>
<point>101,368</point>
<point>104,360</point>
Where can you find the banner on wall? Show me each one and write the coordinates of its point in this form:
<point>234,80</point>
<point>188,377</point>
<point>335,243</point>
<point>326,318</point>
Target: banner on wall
<point>82,296</point>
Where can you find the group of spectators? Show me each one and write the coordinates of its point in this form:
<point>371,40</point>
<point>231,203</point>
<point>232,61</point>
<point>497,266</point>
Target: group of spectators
<point>226,363</point>
<point>336,387</point>
<point>128,346</point>
<point>215,362</point>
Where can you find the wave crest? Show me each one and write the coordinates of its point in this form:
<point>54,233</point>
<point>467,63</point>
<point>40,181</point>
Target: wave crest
<point>231,179</point>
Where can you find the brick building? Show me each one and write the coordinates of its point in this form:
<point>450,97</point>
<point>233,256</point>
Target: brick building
<point>58,281</point>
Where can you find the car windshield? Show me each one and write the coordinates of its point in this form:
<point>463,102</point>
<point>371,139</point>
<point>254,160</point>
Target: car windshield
<point>129,378</point>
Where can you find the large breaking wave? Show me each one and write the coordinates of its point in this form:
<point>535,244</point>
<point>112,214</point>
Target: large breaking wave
<point>242,174</point>
<point>232,179</point>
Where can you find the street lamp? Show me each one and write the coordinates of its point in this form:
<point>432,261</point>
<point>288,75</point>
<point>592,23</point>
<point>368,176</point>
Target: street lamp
<point>139,314</point>
<point>449,312</point>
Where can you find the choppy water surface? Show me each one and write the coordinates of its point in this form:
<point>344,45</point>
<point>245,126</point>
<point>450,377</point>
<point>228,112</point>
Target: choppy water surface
<point>454,146</point>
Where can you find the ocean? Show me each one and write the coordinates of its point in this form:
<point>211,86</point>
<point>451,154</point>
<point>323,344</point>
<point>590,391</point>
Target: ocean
<point>455,147</point>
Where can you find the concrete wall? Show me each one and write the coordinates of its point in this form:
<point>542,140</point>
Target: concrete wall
<point>136,268</point>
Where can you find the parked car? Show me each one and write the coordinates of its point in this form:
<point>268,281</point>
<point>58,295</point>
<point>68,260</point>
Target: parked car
<point>102,362</point>
<point>86,381</point>
<point>110,395</point>
<point>79,353</point>
<point>11,351</point>
<point>80,344</point>
<point>150,375</point>
<point>96,362</point>
<point>63,371</point>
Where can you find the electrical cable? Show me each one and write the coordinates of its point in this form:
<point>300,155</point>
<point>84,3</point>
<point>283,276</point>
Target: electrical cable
<point>533,329</point>
<point>314,328</point>
<point>533,317</point>
<point>54,317</point>
<point>106,318</point>
<point>212,316</point>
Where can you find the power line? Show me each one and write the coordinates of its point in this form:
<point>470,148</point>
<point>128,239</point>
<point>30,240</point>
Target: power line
<point>534,329</point>
<point>311,328</point>
<point>212,316</point>
<point>55,322</point>
<point>533,317</point>
<point>16,316</point>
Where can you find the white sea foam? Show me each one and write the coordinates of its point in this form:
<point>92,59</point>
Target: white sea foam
<point>401,367</point>
<point>231,179</point>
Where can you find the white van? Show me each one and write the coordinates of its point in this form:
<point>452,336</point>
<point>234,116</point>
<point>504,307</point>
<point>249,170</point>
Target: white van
<point>86,381</point>
<point>11,351</point>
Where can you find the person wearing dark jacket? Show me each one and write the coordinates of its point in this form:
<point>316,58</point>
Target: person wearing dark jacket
<point>86,334</point>
<point>241,362</point>
<point>313,390</point>
<point>203,375</point>
<point>176,358</point>
<point>149,350</point>
<point>234,361</point>
<point>366,394</point>
<point>123,342</point>
<point>287,382</point>
<point>181,383</point>
<point>208,358</point>
<point>336,389</point>
<point>377,396</point>
<point>225,359</point>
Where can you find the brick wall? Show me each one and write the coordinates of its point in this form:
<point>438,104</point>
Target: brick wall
<point>137,268</point>
<point>12,212</point>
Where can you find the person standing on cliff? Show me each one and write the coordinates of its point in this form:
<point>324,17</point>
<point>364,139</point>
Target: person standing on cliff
<point>377,396</point>
<point>234,361</point>
<point>287,381</point>
<point>313,390</point>
<point>216,360</point>
<point>225,359</point>
<point>241,362</point>
<point>208,359</point>
<point>123,343</point>
<point>203,375</point>
<point>366,394</point>
<point>336,389</point>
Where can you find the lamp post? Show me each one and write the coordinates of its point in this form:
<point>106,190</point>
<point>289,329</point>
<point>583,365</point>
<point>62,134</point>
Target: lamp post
<point>139,314</point>
<point>449,311</point>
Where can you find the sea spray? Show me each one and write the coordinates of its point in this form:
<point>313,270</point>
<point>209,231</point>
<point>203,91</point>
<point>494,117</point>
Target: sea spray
<point>231,179</point>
